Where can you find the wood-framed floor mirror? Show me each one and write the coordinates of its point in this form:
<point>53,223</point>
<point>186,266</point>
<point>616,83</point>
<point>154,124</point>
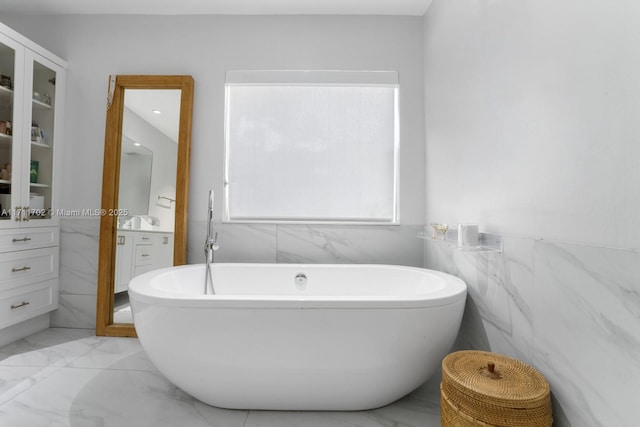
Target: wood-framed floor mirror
<point>145,188</point>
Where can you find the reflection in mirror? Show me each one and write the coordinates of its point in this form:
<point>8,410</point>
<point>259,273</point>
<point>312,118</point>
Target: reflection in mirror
<point>148,159</point>
<point>135,180</point>
<point>146,182</point>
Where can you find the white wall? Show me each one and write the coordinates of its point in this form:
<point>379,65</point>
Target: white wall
<point>162,175</point>
<point>532,130</point>
<point>532,118</point>
<point>206,47</point>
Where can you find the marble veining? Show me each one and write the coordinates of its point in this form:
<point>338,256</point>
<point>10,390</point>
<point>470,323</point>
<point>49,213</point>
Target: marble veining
<point>70,378</point>
<point>570,310</point>
<point>498,315</point>
<point>237,242</point>
<point>79,242</point>
<point>349,244</point>
<point>75,311</point>
<point>587,326</point>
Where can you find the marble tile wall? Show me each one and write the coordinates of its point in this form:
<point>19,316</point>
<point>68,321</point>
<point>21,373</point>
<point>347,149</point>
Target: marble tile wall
<point>572,311</point>
<point>79,238</point>
<point>310,244</point>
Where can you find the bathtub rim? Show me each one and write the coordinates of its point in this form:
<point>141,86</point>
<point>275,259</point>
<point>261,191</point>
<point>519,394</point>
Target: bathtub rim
<point>454,291</point>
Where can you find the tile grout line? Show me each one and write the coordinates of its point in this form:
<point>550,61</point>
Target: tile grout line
<point>41,380</point>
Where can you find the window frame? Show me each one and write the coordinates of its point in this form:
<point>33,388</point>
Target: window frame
<point>314,78</point>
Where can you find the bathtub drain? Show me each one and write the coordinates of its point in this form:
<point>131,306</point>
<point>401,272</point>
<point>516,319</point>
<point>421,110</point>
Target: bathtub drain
<point>301,281</point>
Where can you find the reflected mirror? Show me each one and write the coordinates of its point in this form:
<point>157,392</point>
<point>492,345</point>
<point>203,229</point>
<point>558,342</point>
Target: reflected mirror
<point>145,186</point>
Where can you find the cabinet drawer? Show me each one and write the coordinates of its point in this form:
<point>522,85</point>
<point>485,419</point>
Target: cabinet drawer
<point>27,302</point>
<point>28,238</point>
<point>143,269</point>
<point>144,238</point>
<point>144,255</point>
<point>24,267</point>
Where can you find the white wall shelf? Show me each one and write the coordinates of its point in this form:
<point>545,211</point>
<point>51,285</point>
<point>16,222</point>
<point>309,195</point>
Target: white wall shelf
<point>488,242</point>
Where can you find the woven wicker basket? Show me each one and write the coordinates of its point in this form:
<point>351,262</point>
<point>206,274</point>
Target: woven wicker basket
<point>490,390</point>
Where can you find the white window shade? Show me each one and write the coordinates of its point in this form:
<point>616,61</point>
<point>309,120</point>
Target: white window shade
<point>311,147</point>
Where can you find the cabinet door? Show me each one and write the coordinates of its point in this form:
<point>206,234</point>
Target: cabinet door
<point>44,81</point>
<point>165,250</point>
<point>12,82</point>
<point>124,260</point>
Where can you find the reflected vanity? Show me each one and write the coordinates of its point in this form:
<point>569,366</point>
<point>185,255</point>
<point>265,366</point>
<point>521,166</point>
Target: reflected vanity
<point>145,183</point>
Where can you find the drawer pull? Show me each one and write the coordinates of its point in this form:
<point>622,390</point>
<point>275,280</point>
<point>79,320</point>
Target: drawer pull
<point>15,270</point>
<point>146,238</point>
<point>145,255</point>
<point>24,239</point>
<point>22,304</point>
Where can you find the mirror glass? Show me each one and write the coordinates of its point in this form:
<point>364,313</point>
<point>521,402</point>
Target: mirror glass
<point>146,193</point>
<point>144,188</point>
<point>135,180</point>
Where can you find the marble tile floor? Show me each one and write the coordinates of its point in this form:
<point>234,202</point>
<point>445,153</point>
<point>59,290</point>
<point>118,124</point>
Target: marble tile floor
<point>122,308</point>
<point>69,377</point>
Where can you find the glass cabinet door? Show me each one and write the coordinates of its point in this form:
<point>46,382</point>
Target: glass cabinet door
<point>30,122</point>
<point>39,167</point>
<point>11,70</point>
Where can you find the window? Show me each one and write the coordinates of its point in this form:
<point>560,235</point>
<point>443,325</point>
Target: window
<point>311,146</point>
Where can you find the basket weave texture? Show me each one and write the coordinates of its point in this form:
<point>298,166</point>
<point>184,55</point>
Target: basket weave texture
<point>486,389</point>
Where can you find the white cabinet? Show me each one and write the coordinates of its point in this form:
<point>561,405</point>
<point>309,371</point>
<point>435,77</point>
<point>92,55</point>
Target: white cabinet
<point>31,115</point>
<point>124,260</point>
<point>31,104</point>
<point>140,251</point>
<point>28,273</point>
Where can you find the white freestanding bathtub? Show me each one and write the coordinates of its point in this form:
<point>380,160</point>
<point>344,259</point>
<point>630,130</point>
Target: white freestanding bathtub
<point>343,337</point>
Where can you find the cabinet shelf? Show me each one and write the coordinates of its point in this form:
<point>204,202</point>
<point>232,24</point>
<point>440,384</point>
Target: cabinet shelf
<point>38,185</point>
<point>39,105</point>
<point>5,182</point>
<point>5,139</point>
<point>6,94</point>
<point>39,144</point>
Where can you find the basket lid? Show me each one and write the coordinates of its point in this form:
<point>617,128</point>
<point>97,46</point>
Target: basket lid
<point>490,376</point>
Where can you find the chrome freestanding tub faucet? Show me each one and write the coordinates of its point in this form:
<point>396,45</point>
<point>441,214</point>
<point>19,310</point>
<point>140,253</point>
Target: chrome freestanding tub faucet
<point>209,247</point>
